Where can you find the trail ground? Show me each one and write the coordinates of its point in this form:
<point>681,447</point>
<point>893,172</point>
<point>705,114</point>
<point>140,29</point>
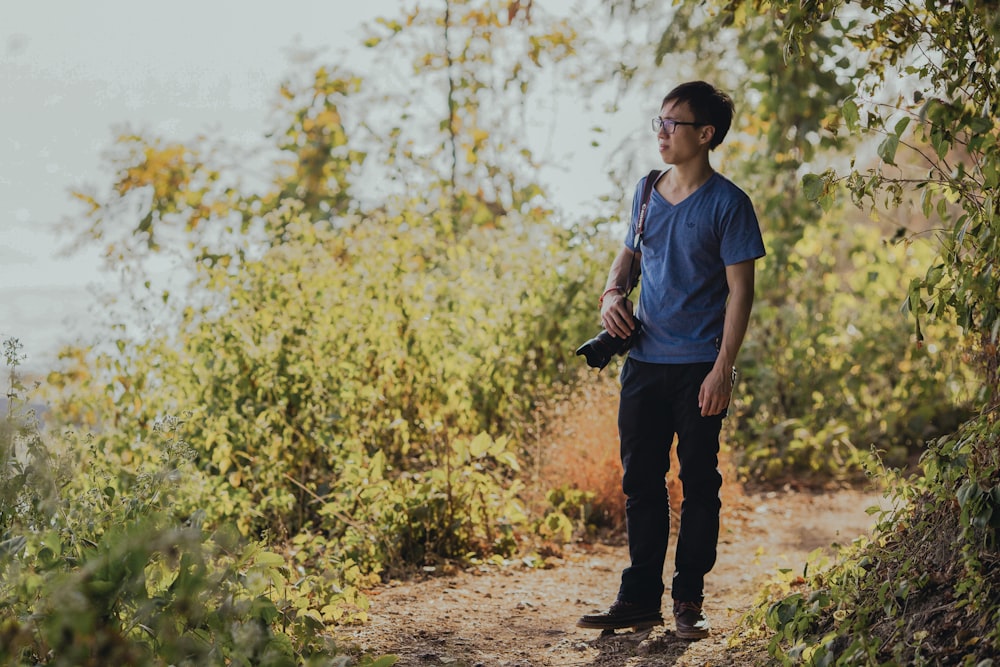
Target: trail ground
<point>521,616</point>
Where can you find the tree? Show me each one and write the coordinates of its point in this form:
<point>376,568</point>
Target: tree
<point>354,368</point>
<point>822,316</point>
<point>929,86</point>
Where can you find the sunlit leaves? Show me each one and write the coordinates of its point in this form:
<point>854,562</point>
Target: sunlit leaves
<point>849,111</point>
<point>839,326</point>
<point>945,126</point>
<point>162,191</point>
<point>367,353</point>
<point>316,145</point>
<point>486,66</point>
<point>187,199</point>
<point>821,188</point>
<point>927,103</point>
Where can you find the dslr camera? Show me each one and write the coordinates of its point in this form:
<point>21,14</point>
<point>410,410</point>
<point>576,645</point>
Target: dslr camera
<point>599,349</point>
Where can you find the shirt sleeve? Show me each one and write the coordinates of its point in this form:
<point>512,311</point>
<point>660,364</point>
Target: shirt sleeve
<point>741,237</point>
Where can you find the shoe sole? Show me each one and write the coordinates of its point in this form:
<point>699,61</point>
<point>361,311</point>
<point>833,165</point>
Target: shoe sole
<point>692,634</point>
<point>621,625</point>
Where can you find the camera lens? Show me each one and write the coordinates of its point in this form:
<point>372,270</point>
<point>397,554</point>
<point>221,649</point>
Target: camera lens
<point>599,349</point>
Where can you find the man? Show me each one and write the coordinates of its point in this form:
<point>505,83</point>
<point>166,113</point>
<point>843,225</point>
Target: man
<point>696,249</point>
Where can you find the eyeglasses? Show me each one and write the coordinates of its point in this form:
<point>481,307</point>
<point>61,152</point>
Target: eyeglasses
<point>669,124</point>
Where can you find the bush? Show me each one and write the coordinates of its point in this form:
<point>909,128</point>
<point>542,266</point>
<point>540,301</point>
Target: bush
<point>96,568</point>
<point>831,368</point>
<point>922,591</point>
<point>369,386</point>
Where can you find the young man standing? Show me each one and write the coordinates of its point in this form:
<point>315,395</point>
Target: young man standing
<point>696,249</point>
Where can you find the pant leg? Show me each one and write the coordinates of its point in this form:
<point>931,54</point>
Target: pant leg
<point>646,430</point>
<point>701,481</point>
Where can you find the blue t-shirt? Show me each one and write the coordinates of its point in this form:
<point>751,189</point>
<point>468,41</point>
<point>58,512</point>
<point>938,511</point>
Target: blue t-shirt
<point>685,250</point>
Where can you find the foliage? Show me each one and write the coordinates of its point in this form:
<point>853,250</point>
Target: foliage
<point>203,202</point>
<point>946,119</point>
<point>24,461</point>
<point>354,377</point>
<point>838,333</point>
<point>489,60</point>
<point>207,201</point>
<point>306,411</point>
<point>924,590</point>
<point>571,510</point>
<point>921,592</point>
<point>360,346</point>
<point>102,570</point>
<point>826,312</point>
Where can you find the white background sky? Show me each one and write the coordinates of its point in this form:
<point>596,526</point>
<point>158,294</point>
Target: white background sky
<point>73,72</point>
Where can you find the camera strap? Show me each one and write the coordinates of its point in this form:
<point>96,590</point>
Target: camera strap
<point>647,192</point>
<point>640,226</point>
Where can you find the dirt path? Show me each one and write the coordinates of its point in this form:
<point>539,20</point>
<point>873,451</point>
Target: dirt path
<point>523,617</point>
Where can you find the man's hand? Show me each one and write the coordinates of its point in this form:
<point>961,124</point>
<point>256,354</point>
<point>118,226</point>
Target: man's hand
<point>616,310</point>
<point>616,315</point>
<point>716,391</point>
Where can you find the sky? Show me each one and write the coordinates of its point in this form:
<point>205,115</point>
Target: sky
<point>73,74</point>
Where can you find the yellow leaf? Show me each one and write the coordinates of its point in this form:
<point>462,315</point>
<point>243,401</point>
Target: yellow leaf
<point>269,559</point>
<point>480,445</point>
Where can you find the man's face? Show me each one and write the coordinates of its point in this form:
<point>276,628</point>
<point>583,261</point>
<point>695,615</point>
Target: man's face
<point>686,141</point>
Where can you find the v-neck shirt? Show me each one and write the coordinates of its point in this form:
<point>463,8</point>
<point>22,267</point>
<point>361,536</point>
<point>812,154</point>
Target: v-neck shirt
<point>686,248</point>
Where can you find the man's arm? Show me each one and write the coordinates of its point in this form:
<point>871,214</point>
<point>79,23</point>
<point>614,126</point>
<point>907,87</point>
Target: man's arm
<point>717,389</point>
<point>616,310</point>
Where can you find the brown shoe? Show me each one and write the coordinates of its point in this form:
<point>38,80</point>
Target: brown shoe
<point>689,620</point>
<point>623,614</point>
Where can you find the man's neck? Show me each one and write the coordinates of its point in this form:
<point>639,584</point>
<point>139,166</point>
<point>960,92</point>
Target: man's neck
<point>690,176</point>
<point>682,180</point>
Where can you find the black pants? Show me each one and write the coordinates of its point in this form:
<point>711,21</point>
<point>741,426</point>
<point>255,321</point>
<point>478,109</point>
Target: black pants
<point>657,402</point>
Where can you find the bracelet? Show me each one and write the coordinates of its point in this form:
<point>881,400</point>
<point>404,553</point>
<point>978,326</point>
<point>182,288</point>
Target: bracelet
<point>616,288</point>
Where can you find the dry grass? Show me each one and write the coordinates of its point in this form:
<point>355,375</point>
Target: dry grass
<point>579,448</point>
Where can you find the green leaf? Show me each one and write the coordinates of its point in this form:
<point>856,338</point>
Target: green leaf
<point>981,519</point>
<point>849,111</point>
<point>926,203</point>
<point>813,186</point>
<point>941,144</point>
<point>981,125</point>
<point>991,174</point>
<point>264,609</point>
<point>384,661</point>
<point>376,468</point>
<point>934,275</point>
<point>969,492</point>
<point>887,149</point>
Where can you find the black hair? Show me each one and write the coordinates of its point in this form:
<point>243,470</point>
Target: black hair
<point>709,105</point>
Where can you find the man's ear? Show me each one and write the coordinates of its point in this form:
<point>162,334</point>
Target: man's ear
<point>707,133</point>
